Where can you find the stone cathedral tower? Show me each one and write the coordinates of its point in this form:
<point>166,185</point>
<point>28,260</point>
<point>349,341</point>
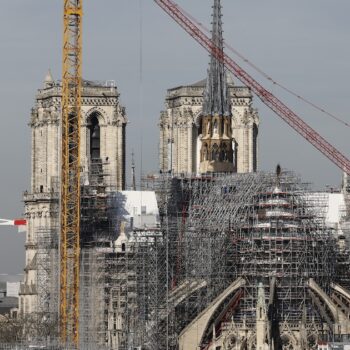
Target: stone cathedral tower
<point>102,142</point>
<point>210,125</point>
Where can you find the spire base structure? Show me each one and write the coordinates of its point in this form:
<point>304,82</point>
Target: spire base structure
<point>216,152</point>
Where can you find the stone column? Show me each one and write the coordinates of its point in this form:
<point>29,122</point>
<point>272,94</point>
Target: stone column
<point>120,157</point>
<point>189,147</point>
<point>250,153</point>
<point>112,154</point>
<point>51,154</point>
<point>33,160</point>
<point>261,320</point>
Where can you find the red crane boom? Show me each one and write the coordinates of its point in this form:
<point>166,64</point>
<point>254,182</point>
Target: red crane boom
<point>290,117</point>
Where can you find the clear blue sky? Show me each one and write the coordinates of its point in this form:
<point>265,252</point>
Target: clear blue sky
<point>302,44</point>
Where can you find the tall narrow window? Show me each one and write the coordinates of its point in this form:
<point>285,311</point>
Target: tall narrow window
<point>215,154</point>
<point>255,147</point>
<point>215,127</point>
<point>95,141</point>
<point>205,152</point>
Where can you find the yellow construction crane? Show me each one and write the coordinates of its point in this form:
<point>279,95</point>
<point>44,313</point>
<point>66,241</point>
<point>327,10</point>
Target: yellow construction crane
<point>70,173</point>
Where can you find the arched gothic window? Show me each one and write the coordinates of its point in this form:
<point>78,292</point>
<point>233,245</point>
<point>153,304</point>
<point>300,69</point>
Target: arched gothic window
<point>224,155</point>
<point>215,129</point>
<point>287,343</point>
<point>95,140</point>
<point>224,128</point>
<point>215,153</point>
<point>205,153</point>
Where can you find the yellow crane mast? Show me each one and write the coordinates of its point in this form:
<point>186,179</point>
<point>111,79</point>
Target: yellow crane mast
<point>70,173</point>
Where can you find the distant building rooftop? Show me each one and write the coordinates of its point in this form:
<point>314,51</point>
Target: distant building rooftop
<point>139,209</point>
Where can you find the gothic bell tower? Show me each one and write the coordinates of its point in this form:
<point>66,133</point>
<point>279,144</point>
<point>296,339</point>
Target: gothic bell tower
<point>216,154</point>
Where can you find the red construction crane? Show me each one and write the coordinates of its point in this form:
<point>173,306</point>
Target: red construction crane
<point>284,112</point>
<point>21,224</point>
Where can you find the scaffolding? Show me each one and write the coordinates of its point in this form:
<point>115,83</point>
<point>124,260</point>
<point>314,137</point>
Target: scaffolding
<point>216,229</point>
<point>142,292</point>
<point>47,272</point>
<point>92,298</point>
<point>98,231</point>
<point>281,242</point>
<point>149,253</point>
<point>47,285</point>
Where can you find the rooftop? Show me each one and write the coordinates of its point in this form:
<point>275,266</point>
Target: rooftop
<point>101,88</point>
<point>197,90</point>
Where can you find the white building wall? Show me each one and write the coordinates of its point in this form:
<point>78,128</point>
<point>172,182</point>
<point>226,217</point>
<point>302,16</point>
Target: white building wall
<point>138,209</point>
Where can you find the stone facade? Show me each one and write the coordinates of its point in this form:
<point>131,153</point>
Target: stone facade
<point>180,131</point>
<point>102,137</point>
<point>216,150</point>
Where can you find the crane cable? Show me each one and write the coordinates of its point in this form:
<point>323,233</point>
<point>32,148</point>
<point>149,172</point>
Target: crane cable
<point>141,99</point>
<point>265,75</point>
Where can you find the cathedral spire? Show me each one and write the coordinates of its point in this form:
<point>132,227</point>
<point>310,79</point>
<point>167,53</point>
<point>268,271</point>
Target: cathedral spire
<point>216,154</point>
<point>216,99</point>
